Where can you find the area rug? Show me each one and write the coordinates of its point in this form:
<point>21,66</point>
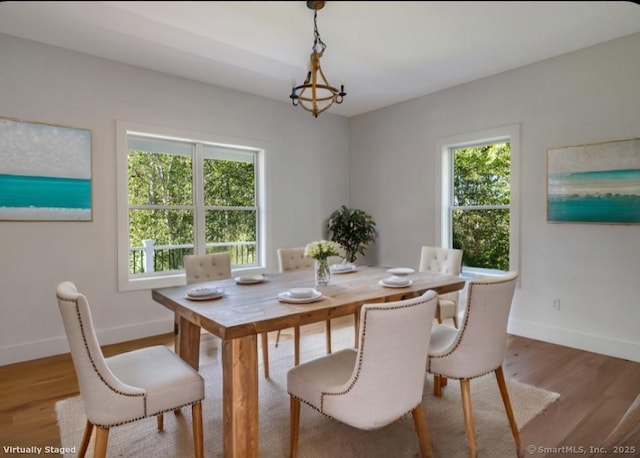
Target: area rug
<point>321,436</point>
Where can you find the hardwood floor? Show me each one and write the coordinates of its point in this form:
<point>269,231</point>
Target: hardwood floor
<point>595,392</point>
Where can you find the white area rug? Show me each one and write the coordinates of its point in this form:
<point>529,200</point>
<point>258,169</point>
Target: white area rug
<point>321,436</point>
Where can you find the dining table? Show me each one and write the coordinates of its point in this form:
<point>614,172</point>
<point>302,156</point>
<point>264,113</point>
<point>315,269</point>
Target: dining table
<point>245,310</point>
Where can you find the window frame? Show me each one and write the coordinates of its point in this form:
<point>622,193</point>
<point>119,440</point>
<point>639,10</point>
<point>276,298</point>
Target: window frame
<point>173,278</point>
<point>445,147</point>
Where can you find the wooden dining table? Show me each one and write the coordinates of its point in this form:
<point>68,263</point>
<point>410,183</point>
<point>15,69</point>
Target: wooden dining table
<point>246,310</point>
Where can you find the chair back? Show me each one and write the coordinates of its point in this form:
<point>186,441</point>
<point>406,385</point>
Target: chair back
<point>442,261</point>
<point>481,342</point>
<point>293,259</point>
<point>388,378</point>
<point>107,400</point>
<point>207,267</point>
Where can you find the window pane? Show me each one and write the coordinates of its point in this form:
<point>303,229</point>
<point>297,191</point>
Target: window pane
<point>230,226</point>
<point>481,175</point>
<point>229,183</point>
<point>158,239</point>
<point>234,231</point>
<point>159,179</point>
<point>483,235</point>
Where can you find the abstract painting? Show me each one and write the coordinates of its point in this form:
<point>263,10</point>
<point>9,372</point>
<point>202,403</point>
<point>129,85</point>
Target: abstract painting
<point>45,172</point>
<point>596,183</point>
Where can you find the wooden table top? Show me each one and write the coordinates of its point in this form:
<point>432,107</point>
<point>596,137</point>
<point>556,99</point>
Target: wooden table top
<point>249,309</point>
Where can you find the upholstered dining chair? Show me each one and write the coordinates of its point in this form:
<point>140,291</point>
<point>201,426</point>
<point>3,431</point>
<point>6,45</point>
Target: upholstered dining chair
<point>444,261</point>
<point>126,387</point>
<point>477,348</point>
<point>294,259</point>
<point>377,383</point>
<point>200,268</point>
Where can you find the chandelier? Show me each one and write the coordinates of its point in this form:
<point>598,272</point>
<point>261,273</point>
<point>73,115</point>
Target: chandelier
<point>316,95</point>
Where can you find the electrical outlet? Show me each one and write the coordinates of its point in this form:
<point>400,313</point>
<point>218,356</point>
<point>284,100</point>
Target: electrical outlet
<point>556,304</point>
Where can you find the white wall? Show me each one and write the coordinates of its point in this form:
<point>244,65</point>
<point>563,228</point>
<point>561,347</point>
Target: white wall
<point>588,96</point>
<point>307,178</point>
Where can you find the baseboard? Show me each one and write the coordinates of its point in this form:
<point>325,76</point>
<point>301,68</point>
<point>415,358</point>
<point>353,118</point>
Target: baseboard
<point>570,338</point>
<point>40,349</point>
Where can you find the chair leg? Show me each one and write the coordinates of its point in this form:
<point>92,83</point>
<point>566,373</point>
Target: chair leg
<point>468,417</point>
<point>507,406</point>
<point>327,336</point>
<point>160,420</point>
<point>196,421</point>
<point>437,386</point>
<point>102,437</point>
<point>265,353</point>
<point>296,345</point>
<point>295,426</point>
<point>86,437</point>
<point>278,337</point>
<point>423,432</point>
<point>455,321</point>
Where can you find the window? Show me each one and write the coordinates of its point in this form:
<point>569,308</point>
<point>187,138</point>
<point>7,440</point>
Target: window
<point>479,195</point>
<point>480,205</point>
<point>184,194</point>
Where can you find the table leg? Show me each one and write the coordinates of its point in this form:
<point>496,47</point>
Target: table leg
<point>240,397</point>
<point>188,342</point>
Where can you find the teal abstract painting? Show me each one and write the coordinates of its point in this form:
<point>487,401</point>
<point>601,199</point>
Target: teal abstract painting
<point>45,172</point>
<point>596,183</point>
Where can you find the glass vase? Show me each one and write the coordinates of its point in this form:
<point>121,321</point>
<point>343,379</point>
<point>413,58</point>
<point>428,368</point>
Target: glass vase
<point>323,274</point>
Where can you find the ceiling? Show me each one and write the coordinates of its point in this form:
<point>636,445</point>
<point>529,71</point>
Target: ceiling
<point>386,52</point>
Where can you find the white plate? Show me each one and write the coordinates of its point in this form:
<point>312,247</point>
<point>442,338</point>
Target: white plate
<point>400,271</point>
<point>249,279</point>
<point>394,285</point>
<point>219,292</point>
<point>343,269</point>
<point>201,291</point>
<point>286,297</point>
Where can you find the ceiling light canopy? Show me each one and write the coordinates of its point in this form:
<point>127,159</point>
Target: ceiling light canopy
<point>316,94</point>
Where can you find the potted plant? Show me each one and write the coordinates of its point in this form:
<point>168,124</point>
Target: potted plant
<point>353,229</point>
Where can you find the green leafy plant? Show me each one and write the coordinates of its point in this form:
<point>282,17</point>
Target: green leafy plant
<point>353,229</point>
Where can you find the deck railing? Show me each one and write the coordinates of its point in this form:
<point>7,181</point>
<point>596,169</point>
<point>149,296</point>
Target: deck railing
<point>160,258</point>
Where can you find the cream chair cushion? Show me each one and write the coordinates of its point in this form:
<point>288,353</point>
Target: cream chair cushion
<point>443,261</point>
<point>128,386</point>
<point>293,259</point>
<point>383,379</point>
<point>207,267</point>
<point>480,344</point>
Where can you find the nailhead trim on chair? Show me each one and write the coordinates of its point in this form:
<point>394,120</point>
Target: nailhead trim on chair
<point>147,416</point>
<point>364,335</point>
<point>95,369</point>
<point>463,328</point>
<point>93,364</point>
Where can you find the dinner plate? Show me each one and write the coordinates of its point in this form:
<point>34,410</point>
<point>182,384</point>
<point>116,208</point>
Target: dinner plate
<point>286,297</point>
<point>204,294</point>
<point>249,279</point>
<point>205,298</point>
<point>400,271</point>
<point>343,269</point>
<point>394,285</point>
<point>200,291</point>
